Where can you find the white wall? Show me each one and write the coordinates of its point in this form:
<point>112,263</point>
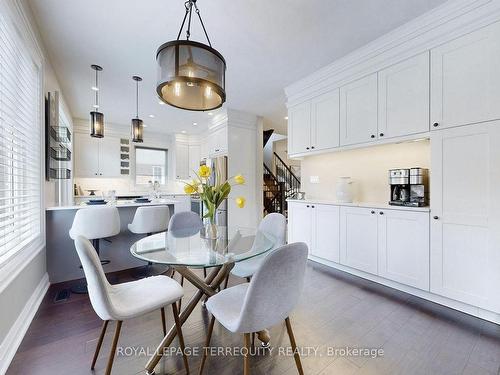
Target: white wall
<point>368,167</point>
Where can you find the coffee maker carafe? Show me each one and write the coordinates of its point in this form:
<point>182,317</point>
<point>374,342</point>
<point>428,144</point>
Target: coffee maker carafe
<point>399,181</point>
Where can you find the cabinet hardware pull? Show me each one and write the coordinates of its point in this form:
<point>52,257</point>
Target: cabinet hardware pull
<point>312,146</point>
<point>436,217</point>
<point>381,134</point>
<point>381,213</point>
<point>312,206</point>
<point>435,124</point>
<point>372,136</point>
<point>373,212</point>
<point>307,148</point>
<point>307,206</point>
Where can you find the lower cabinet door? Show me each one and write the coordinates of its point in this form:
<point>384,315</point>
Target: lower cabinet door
<point>300,223</point>
<point>403,251</point>
<point>325,232</point>
<point>358,238</point>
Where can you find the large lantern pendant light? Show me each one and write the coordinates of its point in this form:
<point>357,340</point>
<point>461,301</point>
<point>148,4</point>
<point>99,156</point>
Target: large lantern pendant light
<point>96,117</point>
<point>137,124</point>
<point>191,75</point>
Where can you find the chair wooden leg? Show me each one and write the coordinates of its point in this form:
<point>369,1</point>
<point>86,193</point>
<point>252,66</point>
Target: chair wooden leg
<point>205,273</point>
<point>99,343</point>
<point>226,282</point>
<point>294,346</point>
<point>207,344</point>
<point>163,322</point>
<point>179,335</point>
<point>253,340</point>
<point>113,347</point>
<point>246,358</point>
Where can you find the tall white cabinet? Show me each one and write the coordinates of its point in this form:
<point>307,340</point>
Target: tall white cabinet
<point>465,223</point>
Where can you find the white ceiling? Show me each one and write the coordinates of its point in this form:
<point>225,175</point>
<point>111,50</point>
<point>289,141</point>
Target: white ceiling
<point>267,46</point>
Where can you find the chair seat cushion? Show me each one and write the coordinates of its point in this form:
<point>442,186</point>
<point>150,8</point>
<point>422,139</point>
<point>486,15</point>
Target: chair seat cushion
<point>226,305</point>
<point>139,297</point>
<point>248,267</point>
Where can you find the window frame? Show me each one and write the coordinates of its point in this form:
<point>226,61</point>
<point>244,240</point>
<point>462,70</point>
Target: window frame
<point>141,147</point>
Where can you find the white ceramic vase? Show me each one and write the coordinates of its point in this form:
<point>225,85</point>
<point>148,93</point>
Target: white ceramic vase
<point>344,190</point>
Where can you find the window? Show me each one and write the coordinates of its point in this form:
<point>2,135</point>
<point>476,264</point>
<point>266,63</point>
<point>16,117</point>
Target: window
<point>20,143</point>
<point>150,165</point>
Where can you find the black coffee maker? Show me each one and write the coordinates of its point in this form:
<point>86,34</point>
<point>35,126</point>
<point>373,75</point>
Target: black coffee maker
<point>409,187</point>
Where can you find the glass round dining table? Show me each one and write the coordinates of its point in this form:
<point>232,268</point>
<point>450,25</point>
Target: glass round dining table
<point>188,249</point>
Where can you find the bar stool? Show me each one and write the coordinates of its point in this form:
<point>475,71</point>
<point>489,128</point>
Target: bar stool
<point>94,223</point>
<point>148,220</point>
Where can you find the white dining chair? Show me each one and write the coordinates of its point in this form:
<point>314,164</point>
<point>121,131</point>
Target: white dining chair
<point>273,224</point>
<point>127,300</point>
<point>268,299</point>
<point>94,223</point>
<point>148,220</point>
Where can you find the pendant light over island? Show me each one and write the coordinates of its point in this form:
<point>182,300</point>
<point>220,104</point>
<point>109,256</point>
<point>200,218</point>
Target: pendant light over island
<point>96,117</point>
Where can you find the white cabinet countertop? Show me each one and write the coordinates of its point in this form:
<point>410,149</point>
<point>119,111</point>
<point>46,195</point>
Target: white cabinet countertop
<point>379,205</point>
<point>118,204</point>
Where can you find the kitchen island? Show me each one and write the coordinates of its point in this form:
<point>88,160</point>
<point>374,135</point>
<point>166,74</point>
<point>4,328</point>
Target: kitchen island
<point>62,260</point>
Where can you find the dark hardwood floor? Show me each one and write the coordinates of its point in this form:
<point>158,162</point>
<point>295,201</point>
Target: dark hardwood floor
<point>337,310</point>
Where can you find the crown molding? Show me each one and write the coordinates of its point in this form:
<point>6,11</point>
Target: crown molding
<point>446,22</point>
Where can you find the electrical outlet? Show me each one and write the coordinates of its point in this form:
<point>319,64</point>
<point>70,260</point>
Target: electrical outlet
<point>314,179</point>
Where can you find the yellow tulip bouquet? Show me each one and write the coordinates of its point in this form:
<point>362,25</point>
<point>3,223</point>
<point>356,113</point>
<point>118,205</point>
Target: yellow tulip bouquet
<point>213,195</point>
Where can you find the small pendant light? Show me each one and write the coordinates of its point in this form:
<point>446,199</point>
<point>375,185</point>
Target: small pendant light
<point>96,117</point>
<point>137,125</point>
<point>191,75</point>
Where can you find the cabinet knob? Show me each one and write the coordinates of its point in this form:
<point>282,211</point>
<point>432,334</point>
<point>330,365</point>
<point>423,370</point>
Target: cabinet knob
<point>435,124</point>
<point>95,174</point>
<point>381,134</point>
<point>312,146</point>
<point>307,206</point>
<point>436,217</point>
<point>381,213</point>
<point>307,148</point>
<point>372,136</point>
<point>100,174</point>
<point>373,212</point>
<point>312,206</point>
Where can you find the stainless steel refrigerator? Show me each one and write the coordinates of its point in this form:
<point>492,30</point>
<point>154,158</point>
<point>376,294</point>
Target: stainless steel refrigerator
<point>218,164</point>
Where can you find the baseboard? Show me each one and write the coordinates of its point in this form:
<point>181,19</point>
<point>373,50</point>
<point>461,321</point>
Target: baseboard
<point>10,344</point>
<point>456,305</point>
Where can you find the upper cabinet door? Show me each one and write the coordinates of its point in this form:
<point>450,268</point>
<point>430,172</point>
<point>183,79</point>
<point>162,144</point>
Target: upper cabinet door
<point>358,111</point>
<point>465,210</point>
<point>325,121</point>
<point>299,128</point>
<point>109,157</point>
<point>325,234</point>
<point>86,151</point>
<point>403,98</point>
<point>194,160</point>
<point>358,238</point>
<point>181,161</point>
<point>465,79</point>
<point>403,250</point>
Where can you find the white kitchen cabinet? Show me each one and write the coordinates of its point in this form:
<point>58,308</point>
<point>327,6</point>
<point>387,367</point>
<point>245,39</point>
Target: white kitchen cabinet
<point>217,142</point>
<point>403,247</point>
<point>96,157</point>
<point>465,81</point>
<point>300,223</point>
<point>465,210</point>
<point>403,98</point>
<point>325,121</point>
<point>325,232</point>
<point>194,156</point>
<point>299,128</point>
<point>359,238</point>
<point>181,161</point>
<point>358,111</point>
<point>109,157</point>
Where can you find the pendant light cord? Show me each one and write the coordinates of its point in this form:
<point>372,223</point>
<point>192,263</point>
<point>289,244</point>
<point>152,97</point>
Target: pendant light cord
<point>97,91</point>
<point>189,10</point>
<point>137,99</point>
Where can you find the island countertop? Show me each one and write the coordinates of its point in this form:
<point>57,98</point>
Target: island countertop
<point>118,204</point>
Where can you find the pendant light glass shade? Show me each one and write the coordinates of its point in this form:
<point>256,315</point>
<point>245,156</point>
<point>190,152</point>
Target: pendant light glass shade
<point>191,75</point>
<point>137,130</point>
<point>96,124</point>
<point>96,118</point>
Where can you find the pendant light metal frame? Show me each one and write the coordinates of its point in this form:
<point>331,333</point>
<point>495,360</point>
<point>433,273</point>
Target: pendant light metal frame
<point>137,125</point>
<point>96,117</point>
<point>217,87</point>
